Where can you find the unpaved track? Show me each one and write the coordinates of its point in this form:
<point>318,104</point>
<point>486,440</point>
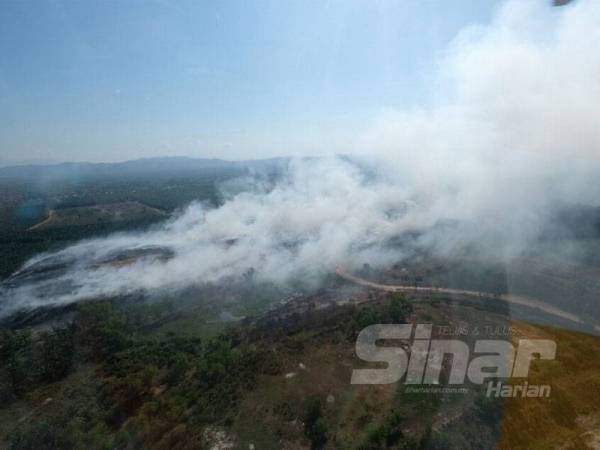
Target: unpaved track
<point>509,298</point>
<point>48,219</point>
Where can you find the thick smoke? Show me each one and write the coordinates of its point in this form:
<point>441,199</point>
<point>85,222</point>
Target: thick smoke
<point>511,133</point>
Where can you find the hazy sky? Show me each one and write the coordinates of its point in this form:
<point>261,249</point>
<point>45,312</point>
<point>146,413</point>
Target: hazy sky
<point>115,80</point>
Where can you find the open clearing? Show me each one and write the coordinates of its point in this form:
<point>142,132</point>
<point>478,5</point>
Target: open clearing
<point>97,214</point>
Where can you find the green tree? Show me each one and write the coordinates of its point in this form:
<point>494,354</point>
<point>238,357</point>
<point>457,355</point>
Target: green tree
<point>399,308</point>
<point>56,354</point>
<point>315,427</point>
<point>40,436</point>
<point>103,329</point>
<point>16,352</point>
<point>369,315</point>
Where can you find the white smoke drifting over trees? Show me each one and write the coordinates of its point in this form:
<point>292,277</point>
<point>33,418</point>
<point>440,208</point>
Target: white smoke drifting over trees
<point>511,133</point>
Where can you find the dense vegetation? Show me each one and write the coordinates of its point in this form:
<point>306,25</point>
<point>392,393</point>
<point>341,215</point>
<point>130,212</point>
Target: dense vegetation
<point>149,389</point>
<point>110,381</point>
<point>205,379</point>
<point>104,383</point>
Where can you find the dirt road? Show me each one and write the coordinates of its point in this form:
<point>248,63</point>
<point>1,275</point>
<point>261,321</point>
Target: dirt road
<point>509,298</point>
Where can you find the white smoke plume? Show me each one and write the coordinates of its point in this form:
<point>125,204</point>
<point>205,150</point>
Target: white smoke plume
<point>512,132</point>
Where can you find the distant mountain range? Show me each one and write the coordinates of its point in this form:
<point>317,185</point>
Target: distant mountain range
<point>135,167</point>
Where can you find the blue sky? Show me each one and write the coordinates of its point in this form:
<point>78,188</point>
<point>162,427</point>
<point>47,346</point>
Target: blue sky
<point>116,80</point>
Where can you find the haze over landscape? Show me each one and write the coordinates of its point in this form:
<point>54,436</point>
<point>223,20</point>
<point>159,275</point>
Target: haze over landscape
<point>204,205</point>
<point>512,139</point>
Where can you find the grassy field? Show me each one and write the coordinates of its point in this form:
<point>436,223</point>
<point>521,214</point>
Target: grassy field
<point>570,418</point>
